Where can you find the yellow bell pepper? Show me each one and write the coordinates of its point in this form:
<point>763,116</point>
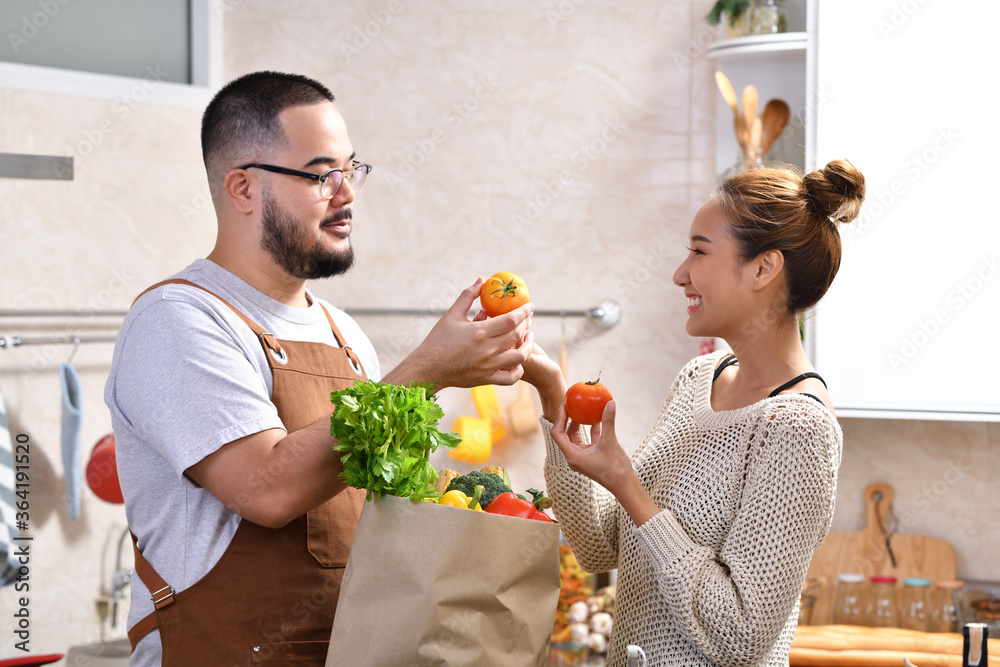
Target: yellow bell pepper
<point>455,498</point>
<point>488,407</point>
<point>477,441</point>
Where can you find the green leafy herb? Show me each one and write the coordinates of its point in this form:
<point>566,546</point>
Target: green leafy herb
<point>733,8</point>
<point>386,434</point>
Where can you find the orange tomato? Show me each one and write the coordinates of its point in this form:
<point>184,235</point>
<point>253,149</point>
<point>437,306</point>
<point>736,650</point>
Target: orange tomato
<point>502,293</point>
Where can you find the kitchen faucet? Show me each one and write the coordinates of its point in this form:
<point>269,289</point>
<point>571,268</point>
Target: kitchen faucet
<point>108,606</point>
<point>122,575</point>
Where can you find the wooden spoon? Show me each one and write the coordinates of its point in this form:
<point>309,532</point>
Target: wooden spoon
<point>754,156</point>
<point>756,132</point>
<point>728,94</point>
<point>775,118</point>
<point>741,132</point>
<point>749,107</point>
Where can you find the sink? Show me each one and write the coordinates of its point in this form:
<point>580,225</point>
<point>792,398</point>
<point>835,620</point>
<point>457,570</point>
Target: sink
<point>102,654</point>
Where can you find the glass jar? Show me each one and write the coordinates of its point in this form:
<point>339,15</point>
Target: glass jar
<point>850,606</point>
<point>732,28</point>
<point>766,17</point>
<point>882,611</point>
<point>916,604</point>
<point>947,604</point>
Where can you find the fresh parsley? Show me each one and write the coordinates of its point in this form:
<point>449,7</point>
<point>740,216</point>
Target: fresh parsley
<point>386,434</point>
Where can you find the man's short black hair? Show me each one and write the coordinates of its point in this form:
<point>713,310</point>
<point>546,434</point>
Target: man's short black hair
<point>241,121</point>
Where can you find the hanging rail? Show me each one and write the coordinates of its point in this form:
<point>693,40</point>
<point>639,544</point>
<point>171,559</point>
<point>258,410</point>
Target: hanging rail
<point>7,342</point>
<point>42,312</point>
<point>607,312</point>
<point>606,315</point>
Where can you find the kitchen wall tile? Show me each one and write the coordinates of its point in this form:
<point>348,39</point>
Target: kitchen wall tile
<point>942,473</point>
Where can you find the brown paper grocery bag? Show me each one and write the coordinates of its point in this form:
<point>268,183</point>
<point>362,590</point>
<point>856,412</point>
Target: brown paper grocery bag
<point>427,584</point>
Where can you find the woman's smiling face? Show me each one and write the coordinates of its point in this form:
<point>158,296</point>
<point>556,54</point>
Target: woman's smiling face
<point>713,277</point>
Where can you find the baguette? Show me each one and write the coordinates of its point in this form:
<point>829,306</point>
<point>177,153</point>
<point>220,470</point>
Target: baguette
<point>849,637</point>
<point>809,657</point>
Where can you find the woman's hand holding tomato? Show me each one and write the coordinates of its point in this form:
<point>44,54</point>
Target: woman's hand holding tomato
<point>602,459</point>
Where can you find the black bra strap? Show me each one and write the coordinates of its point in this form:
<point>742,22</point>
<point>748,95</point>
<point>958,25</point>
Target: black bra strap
<point>731,359</point>
<point>814,396</point>
<point>726,363</point>
<point>795,381</point>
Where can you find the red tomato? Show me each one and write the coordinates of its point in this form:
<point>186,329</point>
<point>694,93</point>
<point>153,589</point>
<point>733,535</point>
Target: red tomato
<point>502,293</point>
<point>585,402</point>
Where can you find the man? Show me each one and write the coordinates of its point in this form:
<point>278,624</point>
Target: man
<point>219,393</point>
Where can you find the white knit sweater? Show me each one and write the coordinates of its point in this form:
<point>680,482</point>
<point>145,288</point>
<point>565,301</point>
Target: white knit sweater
<point>746,496</point>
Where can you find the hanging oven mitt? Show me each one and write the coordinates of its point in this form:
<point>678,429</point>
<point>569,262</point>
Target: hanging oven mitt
<point>72,416</point>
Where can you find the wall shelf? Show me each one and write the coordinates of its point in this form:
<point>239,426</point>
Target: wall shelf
<point>760,45</point>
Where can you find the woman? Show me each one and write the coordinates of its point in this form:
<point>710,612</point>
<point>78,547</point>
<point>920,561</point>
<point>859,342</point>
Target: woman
<point>713,520</point>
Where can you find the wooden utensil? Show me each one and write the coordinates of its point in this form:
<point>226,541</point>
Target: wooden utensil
<point>741,132</point>
<point>728,94</point>
<point>749,107</point>
<point>775,118</point>
<point>521,416</point>
<point>753,156</point>
<point>874,552</point>
<point>564,358</point>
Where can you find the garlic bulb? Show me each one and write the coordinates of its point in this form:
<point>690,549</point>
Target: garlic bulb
<point>579,632</point>
<point>597,642</point>
<point>601,623</point>
<point>578,612</point>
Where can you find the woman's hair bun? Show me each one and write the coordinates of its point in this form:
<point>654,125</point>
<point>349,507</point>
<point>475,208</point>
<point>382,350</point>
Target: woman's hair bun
<point>835,192</point>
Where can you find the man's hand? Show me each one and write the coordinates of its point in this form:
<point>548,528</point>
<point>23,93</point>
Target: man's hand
<point>463,353</point>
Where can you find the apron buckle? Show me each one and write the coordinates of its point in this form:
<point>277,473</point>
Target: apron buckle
<point>353,359</point>
<point>274,348</point>
<point>165,599</point>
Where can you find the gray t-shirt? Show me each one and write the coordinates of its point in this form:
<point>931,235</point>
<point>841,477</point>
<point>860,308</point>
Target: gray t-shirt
<point>187,377</point>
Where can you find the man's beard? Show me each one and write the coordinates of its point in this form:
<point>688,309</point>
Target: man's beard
<point>287,241</point>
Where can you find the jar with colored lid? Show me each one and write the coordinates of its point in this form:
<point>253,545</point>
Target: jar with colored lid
<point>851,598</point>
<point>881,610</point>
<point>916,604</point>
<point>945,615</point>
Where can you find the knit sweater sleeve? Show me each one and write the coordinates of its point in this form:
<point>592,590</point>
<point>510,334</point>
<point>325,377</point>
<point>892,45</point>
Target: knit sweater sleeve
<point>586,511</point>
<point>733,604</point>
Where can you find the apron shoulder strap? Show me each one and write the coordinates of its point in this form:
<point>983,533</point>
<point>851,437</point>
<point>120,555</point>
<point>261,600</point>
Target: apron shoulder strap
<point>355,361</point>
<point>257,329</point>
<point>333,326</point>
<point>160,592</point>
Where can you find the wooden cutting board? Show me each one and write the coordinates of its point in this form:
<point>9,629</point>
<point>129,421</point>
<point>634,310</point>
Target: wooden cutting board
<point>865,552</point>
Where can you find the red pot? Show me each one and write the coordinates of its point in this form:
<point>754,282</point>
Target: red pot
<point>102,471</point>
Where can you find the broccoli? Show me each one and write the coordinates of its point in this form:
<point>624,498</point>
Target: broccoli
<point>491,482</point>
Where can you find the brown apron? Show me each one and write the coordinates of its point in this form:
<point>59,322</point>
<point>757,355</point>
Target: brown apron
<point>271,598</point>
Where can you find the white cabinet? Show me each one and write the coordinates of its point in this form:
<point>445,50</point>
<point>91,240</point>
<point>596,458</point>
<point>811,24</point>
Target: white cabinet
<point>908,92</point>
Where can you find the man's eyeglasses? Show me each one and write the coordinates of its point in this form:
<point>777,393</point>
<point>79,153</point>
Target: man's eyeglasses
<point>329,181</point>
